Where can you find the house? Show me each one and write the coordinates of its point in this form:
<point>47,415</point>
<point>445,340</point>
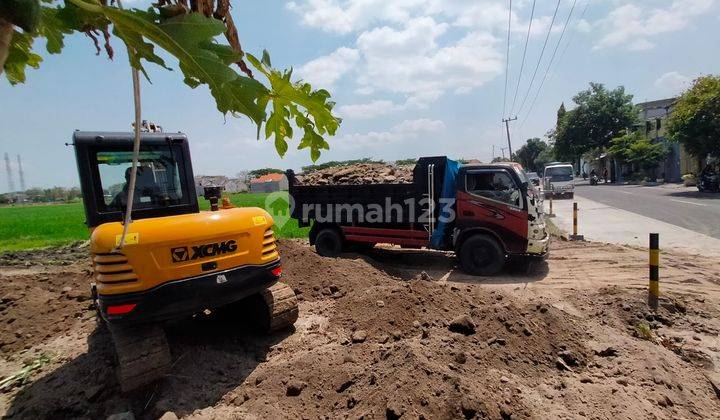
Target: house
<point>653,117</point>
<point>230,185</point>
<point>269,183</point>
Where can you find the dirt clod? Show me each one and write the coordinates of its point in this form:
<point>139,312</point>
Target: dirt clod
<point>463,324</point>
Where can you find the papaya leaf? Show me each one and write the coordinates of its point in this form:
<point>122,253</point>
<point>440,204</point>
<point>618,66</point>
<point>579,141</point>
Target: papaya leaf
<point>20,56</point>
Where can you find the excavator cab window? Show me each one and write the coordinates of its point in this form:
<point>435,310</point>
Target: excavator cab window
<point>164,183</point>
<point>157,183</point>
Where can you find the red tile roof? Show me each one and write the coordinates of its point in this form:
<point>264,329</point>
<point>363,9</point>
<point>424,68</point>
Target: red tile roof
<point>267,178</point>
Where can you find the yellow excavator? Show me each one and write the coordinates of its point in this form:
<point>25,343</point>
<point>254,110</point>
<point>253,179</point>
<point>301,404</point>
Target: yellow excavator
<point>174,260</point>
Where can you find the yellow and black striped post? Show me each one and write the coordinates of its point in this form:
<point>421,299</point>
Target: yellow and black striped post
<point>654,287</point>
<point>551,209</point>
<point>575,236</point>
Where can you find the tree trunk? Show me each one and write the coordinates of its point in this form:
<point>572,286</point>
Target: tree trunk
<point>6,33</point>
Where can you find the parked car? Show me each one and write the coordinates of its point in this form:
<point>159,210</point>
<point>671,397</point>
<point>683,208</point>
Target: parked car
<point>709,178</point>
<point>559,180</point>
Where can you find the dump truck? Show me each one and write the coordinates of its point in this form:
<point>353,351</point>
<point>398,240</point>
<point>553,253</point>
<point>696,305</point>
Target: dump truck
<point>484,213</point>
<point>176,261</point>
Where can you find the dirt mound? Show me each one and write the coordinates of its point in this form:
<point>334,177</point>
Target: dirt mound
<point>371,344</point>
<point>361,173</point>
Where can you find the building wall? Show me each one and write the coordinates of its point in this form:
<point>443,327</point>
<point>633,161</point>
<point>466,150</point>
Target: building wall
<point>260,187</point>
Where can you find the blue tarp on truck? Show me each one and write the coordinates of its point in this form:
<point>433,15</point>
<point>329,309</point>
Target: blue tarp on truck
<point>446,205</point>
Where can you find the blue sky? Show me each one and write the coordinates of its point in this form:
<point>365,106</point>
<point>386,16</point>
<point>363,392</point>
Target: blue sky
<point>410,78</point>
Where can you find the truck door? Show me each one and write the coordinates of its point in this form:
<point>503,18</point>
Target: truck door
<point>493,199</point>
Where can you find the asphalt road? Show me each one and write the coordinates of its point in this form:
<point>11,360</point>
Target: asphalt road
<point>680,206</point>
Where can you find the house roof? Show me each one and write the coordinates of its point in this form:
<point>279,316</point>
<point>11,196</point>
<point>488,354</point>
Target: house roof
<point>267,178</point>
<point>661,103</point>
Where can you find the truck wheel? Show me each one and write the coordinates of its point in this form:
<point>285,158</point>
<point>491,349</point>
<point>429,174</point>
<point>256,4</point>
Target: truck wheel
<point>481,255</point>
<point>571,195</point>
<point>328,243</point>
<point>143,355</point>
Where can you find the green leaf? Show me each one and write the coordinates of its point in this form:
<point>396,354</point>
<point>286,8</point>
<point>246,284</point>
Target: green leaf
<point>20,56</point>
<point>266,58</point>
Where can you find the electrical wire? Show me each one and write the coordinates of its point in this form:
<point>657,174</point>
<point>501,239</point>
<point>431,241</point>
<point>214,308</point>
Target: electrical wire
<point>522,64</point>
<point>567,44</point>
<point>507,59</point>
<point>542,52</point>
<point>547,70</point>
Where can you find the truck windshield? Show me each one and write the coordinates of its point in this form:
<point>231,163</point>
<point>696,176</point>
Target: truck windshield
<point>158,181</point>
<point>559,173</point>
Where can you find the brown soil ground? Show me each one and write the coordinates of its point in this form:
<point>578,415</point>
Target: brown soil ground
<point>570,338</point>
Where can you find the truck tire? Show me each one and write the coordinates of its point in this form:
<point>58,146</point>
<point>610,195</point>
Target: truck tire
<point>143,355</point>
<point>481,255</point>
<point>329,243</point>
<point>571,195</point>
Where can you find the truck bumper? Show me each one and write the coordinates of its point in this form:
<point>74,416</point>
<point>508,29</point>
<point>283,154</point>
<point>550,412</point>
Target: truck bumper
<point>185,297</point>
<point>538,247</point>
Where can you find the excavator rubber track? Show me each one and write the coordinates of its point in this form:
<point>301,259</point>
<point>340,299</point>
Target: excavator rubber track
<point>281,306</point>
<point>143,355</point>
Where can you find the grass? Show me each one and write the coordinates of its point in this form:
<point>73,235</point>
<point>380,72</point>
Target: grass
<point>40,226</point>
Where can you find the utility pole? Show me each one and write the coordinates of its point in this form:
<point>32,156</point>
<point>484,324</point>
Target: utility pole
<point>493,146</point>
<point>507,129</point>
<point>22,175</point>
<point>502,149</point>
<point>11,183</point>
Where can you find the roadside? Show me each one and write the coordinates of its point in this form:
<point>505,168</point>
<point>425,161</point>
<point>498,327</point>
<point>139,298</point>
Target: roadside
<point>394,332</point>
<point>605,223</point>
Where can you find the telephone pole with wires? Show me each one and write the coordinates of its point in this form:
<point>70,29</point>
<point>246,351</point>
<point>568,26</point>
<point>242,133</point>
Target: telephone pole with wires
<point>507,130</point>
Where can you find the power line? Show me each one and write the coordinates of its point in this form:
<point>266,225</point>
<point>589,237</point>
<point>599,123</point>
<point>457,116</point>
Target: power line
<point>539,58</point>
<point>522,65</point>
<point>567,44</point>
<point>507,59</point>
<point>547,70</point>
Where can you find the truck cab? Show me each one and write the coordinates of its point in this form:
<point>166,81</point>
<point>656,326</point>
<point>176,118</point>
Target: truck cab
<point>559,180</point>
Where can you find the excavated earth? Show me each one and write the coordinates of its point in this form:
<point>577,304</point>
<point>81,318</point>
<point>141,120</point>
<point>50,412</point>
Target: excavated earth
<point>391,333</point>
<point>361,173</point>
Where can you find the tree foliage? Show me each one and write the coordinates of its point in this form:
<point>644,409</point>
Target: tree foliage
<point>637,149</point>
<point>189,34</point>
<point>529,152</point>
<point>599,116</point>
<point>255,173</point>
<point>695,119</point>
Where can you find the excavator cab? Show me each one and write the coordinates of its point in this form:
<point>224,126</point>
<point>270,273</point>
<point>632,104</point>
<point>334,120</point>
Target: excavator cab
<point>176,260</point>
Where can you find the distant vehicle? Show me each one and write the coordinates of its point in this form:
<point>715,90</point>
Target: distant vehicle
<point>559,180</point>
<point>533,177</point>
<point>709,179</point>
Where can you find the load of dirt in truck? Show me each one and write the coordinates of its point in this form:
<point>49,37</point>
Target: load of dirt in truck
<point>357,174</point>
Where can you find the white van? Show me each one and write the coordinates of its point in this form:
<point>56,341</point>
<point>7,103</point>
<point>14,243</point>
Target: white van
<point>559,180</point>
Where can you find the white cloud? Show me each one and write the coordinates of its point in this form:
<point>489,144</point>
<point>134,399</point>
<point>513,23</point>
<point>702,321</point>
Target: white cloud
<point>371,109</point>
<point>583,26</point>
<point>343,17</point>
<point>406,130</point>
<point>410,61</point>
<point>632,26</point>
<point>346,16</point>
<point>672,83</point>
<point>326,70</point>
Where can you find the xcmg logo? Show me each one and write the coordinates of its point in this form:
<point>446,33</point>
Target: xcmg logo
<point>184,253</point>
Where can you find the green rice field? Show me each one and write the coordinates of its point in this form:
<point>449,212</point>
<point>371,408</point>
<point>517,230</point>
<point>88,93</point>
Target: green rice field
<point>44,225</point>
